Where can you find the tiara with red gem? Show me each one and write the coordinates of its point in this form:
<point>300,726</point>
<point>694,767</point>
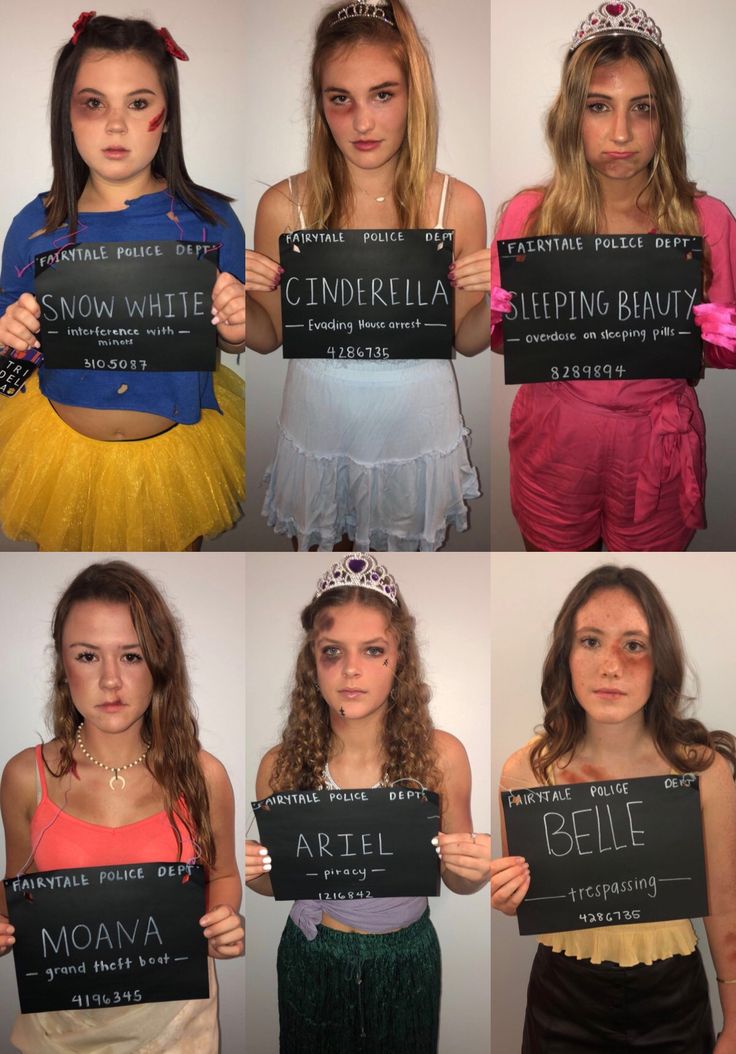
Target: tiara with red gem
<point>362,570</point>
<point>370,9</point>
<point>619,19</point>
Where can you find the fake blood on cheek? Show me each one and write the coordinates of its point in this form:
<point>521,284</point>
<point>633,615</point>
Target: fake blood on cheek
<point>156,122</point>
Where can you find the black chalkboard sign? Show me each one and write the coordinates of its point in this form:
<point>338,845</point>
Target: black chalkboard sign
<point>143,306</point>
<point>108,936</point>
<point>609,853</point>
<point>367,294</point>
<point>351,845</point>
<point>13,374</point>
<point>613,307</point>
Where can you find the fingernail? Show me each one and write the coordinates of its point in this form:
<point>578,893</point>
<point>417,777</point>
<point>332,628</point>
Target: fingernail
<point>267,860</point>
<point>435,841</point>
<point>266,867</point>
<point>438,851</point>
<point>215,320</point>
<point>281,270</point>
<point>263,852</point>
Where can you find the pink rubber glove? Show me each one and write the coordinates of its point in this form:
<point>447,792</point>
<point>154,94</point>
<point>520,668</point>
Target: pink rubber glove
<point>717,324</point>
<point>500,306</point>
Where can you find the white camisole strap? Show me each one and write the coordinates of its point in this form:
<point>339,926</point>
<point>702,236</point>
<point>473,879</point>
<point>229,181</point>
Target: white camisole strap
<point>302,221</point>
<point>443,201</point>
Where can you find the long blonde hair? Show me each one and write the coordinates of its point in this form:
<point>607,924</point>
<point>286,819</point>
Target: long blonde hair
<point>572,200</point>
<point>328,195</point>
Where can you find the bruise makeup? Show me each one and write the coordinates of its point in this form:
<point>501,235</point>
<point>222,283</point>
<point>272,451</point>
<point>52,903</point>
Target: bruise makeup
<point>156,122</point>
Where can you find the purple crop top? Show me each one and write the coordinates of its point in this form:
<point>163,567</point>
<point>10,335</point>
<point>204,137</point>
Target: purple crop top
<point>379,915</point>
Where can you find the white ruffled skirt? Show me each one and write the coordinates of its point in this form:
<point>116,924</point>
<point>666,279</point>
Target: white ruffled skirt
<point>376,451</point>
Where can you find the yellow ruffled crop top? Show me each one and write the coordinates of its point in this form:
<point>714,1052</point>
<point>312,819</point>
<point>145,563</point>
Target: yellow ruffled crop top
<point>641,942</point>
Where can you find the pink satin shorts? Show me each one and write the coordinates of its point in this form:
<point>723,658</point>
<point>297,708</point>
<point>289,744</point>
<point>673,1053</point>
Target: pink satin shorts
<point>581,472</point>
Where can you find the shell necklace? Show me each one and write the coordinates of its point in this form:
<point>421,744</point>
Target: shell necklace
<point>115,769</point>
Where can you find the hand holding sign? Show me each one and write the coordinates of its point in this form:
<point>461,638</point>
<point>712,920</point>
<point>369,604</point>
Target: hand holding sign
<point>257,860</point>
<point>7,940</point>
<point>472,273</point>
<point>466,855</point>
<point>228,308</point>
<point>262,274</point>
<point>224,931</point>
<point>21,324</point>
<point>510,880</point>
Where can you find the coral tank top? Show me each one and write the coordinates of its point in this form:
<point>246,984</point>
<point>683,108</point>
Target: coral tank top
<point>63,841</point>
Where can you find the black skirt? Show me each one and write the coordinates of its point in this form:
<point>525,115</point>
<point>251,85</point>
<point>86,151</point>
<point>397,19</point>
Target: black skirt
<point>575,1007</point>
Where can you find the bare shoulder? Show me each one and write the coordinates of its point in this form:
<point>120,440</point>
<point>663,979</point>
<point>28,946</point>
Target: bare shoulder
<point>213,770</point>
<point>265,771</point>
<point>517,771</point>
<point>19,780</point>
<point>449,749</point>
<point>718,777</point>
<point>465,199</point>
<point>278,202</point>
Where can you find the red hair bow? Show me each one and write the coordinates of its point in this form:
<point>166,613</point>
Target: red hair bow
<point>81,24</point>
<point>171,46</point>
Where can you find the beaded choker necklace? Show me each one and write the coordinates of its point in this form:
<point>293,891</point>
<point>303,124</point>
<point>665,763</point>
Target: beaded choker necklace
<point>115,769</point>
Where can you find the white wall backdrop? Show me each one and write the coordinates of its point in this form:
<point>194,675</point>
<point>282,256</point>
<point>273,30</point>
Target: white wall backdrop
<point>276,71</point>
<point>449,597</point>
<point>206,593</point>
<point>527,592</point>
<point>528,44</point>
<point>212,108</point>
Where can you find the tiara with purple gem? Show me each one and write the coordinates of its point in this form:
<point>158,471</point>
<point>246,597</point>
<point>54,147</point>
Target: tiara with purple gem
<point>362,570</point>
<point>617,19</point>
<point>374,9</point>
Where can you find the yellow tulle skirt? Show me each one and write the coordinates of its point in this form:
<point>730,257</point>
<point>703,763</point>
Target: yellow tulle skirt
<point>68,493</point>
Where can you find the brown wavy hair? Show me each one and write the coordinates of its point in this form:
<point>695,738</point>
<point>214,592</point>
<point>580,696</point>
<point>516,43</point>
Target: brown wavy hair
<point>306,740</point>
<point>169,724</point>
<point>685,742</point>
<point>117,35</point>
<point>328,194</point>
<point>572,202</point>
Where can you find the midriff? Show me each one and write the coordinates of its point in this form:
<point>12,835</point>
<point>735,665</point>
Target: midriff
<point>333,924</point>
<point>112,425</point>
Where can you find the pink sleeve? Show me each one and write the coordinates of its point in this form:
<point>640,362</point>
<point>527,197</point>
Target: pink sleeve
<point>719,230</point>
<point>511,225</point>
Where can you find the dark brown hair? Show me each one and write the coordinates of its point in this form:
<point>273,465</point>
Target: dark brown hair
<point>408,750</point>
<point>70,171</point>
<point>169,724</point>
<point>686,743</point>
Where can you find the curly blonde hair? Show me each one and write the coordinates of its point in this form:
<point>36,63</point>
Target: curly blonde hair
<point>307,739</point>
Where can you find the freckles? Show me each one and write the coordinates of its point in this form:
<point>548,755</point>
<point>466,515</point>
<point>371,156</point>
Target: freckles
<point>156,122</point>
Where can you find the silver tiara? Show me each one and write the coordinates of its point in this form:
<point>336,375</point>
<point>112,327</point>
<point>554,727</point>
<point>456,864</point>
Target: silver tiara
<point>619,19</point>
<point>374,9</point>
<point>362,570</point>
